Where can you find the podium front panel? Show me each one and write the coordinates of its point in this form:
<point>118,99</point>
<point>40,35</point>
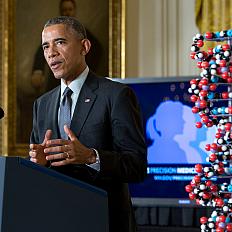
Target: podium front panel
<point>35,198</point>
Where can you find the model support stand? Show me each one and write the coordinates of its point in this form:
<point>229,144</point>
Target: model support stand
<point>212,96</point>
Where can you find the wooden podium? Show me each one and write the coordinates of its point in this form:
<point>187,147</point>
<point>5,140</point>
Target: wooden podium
<point>38,199</point>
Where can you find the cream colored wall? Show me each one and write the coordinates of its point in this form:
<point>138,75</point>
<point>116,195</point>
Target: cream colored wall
<point>158,38</point>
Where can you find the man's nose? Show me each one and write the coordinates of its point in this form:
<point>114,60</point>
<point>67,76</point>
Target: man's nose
<point>52,51</point>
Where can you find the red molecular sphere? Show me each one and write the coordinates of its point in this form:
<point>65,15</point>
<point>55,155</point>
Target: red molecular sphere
<point>200,43</point>
<point>227,195</point>
<point>225,75</point>
<point>197,179</point>
<point>222,63</point>
<point>210,51</point>
<point>230,109</point>
<point>213,146</point>
<point>229,227</point>
<point>209,124</point>
<point>226,47</point>
<point>229,80</point>
<point>222,218</point>
<point>213,87</point>
<point>218,135</point>
<point>221,165</point>
<point>228,126</point>
<point>206,195</point>
<point>207,147</point>
<point>220,202</point>
<point>225,95</point>
<point>213,188</point>
<point>205,64</point>
<point>195,109</point>
<point>192,196</point>
<point>203,104</point>
<point>212,157</point>
<point>198,124</point>
<point>205,54</point>
<point>208,35</point>
<point>193,81</point>
<point>230,68</point>
<point>198,201</point>
<point>193,98</point>
<point>192,55</point>
<point>200,85</point>
<point>203,220</point>
<point>198,168</point>
<point>208,183</point>
<point>199,64</point>
<point>188,188</point>
<point>219,70</point>
<point>203,93</point>
<point>204,81</point>
<point>220,171</point>
<point>201,114</point>
<point>205,119</point>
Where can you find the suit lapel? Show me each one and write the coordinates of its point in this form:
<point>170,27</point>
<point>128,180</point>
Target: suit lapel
<point>84,104</point>
<point>52,112</point>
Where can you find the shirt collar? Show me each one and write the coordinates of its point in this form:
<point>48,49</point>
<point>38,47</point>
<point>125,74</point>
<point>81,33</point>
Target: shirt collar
<point>76,84</point>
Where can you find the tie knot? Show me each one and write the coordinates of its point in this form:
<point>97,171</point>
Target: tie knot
<point>67,92</point>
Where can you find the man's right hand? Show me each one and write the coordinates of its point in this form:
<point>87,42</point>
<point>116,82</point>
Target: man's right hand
<point>36,153</point>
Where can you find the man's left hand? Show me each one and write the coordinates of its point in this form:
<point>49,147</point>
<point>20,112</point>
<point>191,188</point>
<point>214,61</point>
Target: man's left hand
<point>63,152</point>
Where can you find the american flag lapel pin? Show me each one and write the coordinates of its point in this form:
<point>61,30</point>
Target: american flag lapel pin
<point>87,100</point>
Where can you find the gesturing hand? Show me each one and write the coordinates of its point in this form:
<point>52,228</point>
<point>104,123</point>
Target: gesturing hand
<point>36,152</point>
<point>68,151</point>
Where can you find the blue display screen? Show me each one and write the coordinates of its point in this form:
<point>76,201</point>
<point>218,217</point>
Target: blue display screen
<point>174,144</point>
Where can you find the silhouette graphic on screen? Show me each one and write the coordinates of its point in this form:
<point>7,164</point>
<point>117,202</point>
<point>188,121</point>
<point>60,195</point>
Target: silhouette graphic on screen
<point>175,136</point>
<point>166,123</point>
<point>188,140</point>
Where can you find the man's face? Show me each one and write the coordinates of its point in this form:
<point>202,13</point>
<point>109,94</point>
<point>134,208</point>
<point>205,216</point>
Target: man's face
<point>63,51</point>
<point>67,9</point>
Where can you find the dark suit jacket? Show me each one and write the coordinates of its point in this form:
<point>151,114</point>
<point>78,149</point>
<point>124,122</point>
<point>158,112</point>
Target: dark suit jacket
<point>109,122</point>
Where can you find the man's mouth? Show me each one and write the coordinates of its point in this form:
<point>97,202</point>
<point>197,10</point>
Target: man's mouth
<point>55,65</point>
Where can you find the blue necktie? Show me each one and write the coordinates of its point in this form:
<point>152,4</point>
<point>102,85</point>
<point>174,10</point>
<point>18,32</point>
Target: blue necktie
<point>65,112</point>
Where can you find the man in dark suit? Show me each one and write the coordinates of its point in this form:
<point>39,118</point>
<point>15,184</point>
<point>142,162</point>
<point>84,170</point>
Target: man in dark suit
<point>103,144</point>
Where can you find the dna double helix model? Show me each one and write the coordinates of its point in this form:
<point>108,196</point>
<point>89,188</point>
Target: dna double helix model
<point>211,95</point>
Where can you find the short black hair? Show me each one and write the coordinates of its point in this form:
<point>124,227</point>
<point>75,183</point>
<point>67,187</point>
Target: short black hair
<point>71,22</point>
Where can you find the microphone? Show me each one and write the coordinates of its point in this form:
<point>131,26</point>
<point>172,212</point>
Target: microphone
<point>1,113</point>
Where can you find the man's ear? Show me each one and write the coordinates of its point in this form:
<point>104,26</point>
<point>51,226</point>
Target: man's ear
<point>86,45</point>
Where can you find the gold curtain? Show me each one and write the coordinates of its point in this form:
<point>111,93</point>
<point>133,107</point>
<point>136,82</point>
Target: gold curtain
<point>213,15</point>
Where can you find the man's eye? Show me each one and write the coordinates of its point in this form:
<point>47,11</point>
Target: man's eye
<point>60,42</point>
<point>44,47</point>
